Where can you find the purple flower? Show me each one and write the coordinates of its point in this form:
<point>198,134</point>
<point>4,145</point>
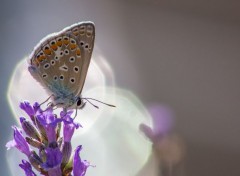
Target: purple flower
<point>79,166</point>
<point>19,142</point>
<point>68,130</point>
<point>54,159</point>
<point>27,108</point>
<point>69,125</point>
<point>26,166</point>
<point>36,108</point>
<point>162,118</point>
<point>29,129</point>
<point>43,133</point>
<point>49,121</point>
<point>31,110</point>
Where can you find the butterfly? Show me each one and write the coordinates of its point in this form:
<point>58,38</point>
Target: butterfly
<point>60,63</point>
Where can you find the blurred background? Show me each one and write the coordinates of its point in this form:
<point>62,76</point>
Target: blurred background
<point>183,54</point>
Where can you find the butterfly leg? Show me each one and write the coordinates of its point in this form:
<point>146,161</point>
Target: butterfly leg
<point>45,100</point>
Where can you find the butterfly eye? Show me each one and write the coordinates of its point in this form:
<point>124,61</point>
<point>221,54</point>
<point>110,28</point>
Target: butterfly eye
<point>79,102</point>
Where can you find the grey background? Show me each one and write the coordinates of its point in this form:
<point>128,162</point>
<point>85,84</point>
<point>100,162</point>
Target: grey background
<point>181,53</point>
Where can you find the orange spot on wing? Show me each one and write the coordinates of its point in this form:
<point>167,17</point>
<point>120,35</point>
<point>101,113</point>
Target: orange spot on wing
<point>73,46</point>
<point>54,47</point>
<point>35,62</point>
<point>66,42</point>
<point>75,33</point>
<point>82,32</point>
<point>78,52</point>
<point>59,43</point>
<point>42,58</point>
<point>47,51</point>
<point>89,34</point>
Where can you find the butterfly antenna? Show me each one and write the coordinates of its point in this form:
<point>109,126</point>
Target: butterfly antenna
<point>91,103</point>
<point>98,101</point>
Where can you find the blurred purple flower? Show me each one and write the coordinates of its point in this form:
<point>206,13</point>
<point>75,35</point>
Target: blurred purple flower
<point>79,166</point>
<point>162,117</point>
<point>26,166</point>
<point>162,120</point>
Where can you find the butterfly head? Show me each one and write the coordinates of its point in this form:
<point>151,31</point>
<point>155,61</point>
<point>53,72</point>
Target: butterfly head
<point>79,104</point>
<point>76,103</point>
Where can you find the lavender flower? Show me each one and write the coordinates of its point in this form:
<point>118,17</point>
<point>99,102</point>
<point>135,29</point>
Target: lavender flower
<point>53,163</point>
<point>68,130</point>
<point>162,118</point>
<point>19,142</point>
<point>27,108</point>
<point>54,151</point>
<point>69,125</point>
<point>168,147</point>
<point>79,166</point>
<point>26,166</point>
<point>49,121</point>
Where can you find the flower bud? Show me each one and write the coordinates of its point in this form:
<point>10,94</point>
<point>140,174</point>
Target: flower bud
<point>35,160</point>
<point>29,129</point>
<point>66,150</point>
<point>34,143</point>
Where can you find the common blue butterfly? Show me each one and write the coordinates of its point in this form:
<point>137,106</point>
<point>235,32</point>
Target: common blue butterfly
<point>60,63</point>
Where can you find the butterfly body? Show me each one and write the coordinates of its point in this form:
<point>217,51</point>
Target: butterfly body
<point>60,63</point>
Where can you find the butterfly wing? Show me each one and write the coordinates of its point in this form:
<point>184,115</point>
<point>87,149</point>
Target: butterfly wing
<point>85,36</point>
<point>61,60</point>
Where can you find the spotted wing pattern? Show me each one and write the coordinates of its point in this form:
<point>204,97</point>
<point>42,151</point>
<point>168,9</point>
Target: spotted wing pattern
<point>61,60</point>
